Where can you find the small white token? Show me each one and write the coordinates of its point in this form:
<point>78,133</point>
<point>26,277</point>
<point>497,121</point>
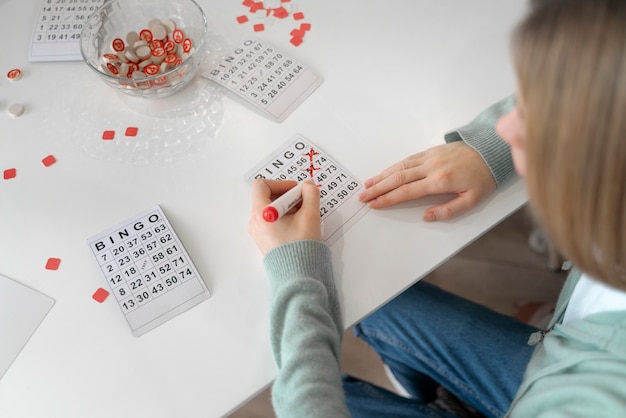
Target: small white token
<point>16,110</point>
<point>159,32</point>
<point>170,25</point>
<point>143,52</point>
<point>132,37</point>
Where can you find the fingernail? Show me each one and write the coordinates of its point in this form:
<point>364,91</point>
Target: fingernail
<point>362,196</point>
<point>430,217</point>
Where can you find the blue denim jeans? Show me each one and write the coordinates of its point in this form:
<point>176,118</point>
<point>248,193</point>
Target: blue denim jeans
<point>430,338</point>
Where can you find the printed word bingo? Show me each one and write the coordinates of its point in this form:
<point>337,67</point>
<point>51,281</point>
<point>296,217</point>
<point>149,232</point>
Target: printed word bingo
<point>57,29</point>
<point>300,160</point>
<point>265,77</point>
<point>148,270</point>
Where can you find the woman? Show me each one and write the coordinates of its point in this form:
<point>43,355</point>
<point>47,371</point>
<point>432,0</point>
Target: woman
<point>568,139</point>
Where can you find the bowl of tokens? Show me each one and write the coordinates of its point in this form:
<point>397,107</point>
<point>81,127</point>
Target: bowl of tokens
<point>145,48</point>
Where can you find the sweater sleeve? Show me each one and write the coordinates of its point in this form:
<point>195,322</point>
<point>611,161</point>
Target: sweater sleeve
<point>306,330</point>
<point>480,134</point>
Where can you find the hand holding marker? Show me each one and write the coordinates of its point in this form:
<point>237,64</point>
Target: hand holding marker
<point>283,204</point>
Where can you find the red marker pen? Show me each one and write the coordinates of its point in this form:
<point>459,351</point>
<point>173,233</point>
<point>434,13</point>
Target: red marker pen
<point>283,204</point>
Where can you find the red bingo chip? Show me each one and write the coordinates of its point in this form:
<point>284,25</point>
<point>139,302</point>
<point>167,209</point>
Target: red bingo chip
<point>169,46</point>
<point>112,68</point>
<point>53,263</point>
<point>146,35</point>
<point>10,173</point>
<point>14,74</point>
<point>178,36</point>
<point>170,59</point>
<point>49,160</point>
<point>151,69</point>
<point>156,43</point>
<point>100,295</point>
<point>158,52</point>
<point>118,45</point>
<point>187,45</point>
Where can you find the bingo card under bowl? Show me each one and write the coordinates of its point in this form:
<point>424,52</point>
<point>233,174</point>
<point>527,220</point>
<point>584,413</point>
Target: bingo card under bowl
<point>145,48</point>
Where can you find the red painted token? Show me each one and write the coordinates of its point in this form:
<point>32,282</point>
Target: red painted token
<point>158,52</point>
<point>118,45</point>
<point>169,46</point>
<point>242,19</point>
<point>53,263</point>
<point>146,35</point>
<point>131,131</point>
<point>14,74</point>
<point>178,36</point>
<point>100,295</point>
<point>10,173</point>
<point>108,135</point>
<point>111,57</point>
<point>113,69</point>
<point>259,27</point>
<point>298,16</point>
<point>305,26</point>
<point>49,160</point>
<point>151,69</point>
<point>187,45</point>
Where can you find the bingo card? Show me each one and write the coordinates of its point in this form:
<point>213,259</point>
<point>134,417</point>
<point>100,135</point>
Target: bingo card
<point>57,29</point>
<point>267,78</point>
<point>148,270</point>
<point>300,159</point>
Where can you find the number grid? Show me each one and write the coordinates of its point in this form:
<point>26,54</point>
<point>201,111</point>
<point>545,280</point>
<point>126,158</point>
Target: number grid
<point>300,160</point>
<point>57,29</point>
<point>265,77</point>
<point>143,261</point>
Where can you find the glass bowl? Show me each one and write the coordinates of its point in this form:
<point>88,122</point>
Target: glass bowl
<point>128,66</point>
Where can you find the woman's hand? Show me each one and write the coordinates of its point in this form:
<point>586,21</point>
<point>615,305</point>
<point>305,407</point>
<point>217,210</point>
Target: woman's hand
<point>299,224</point>
<point>450,168</point>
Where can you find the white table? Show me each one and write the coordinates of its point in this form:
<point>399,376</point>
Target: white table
<point>397,76</point>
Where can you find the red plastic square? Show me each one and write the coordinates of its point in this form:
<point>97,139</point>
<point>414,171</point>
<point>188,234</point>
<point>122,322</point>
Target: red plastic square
<point>53,263</point>
<point>281,13</point>
<point>242,19</point>
<point>247,3</point>
<point>49,160</point>
<point>257,5</point>
<point>108,135</point>
<point>10,173</point>
<point>305,26</point>
<point>296,41</point>
<point>131,131</point>
<point>298,16</point>
<point>100,295</point>
<point>259,27</point>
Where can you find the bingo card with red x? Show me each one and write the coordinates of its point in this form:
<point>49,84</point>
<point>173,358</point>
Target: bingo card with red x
<point>299,160</point>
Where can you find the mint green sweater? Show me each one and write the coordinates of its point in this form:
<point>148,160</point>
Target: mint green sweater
<point>577,370</point>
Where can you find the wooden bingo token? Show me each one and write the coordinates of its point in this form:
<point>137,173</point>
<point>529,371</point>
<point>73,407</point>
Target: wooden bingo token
<point>187,45</point>
<point>178,36</point>
<point>118,45</point>
<point>146,35</point>
<point>15,74</point>
<point>112,69</point>
<point>151,69</point>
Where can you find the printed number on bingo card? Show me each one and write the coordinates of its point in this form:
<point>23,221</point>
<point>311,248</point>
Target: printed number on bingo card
<point>299,160</point>
<point>269,79</point>
<point>56,36</point>
<point>148,270</point>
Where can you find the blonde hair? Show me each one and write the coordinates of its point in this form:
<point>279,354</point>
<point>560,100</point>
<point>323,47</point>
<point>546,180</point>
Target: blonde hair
<point>570,57</point>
